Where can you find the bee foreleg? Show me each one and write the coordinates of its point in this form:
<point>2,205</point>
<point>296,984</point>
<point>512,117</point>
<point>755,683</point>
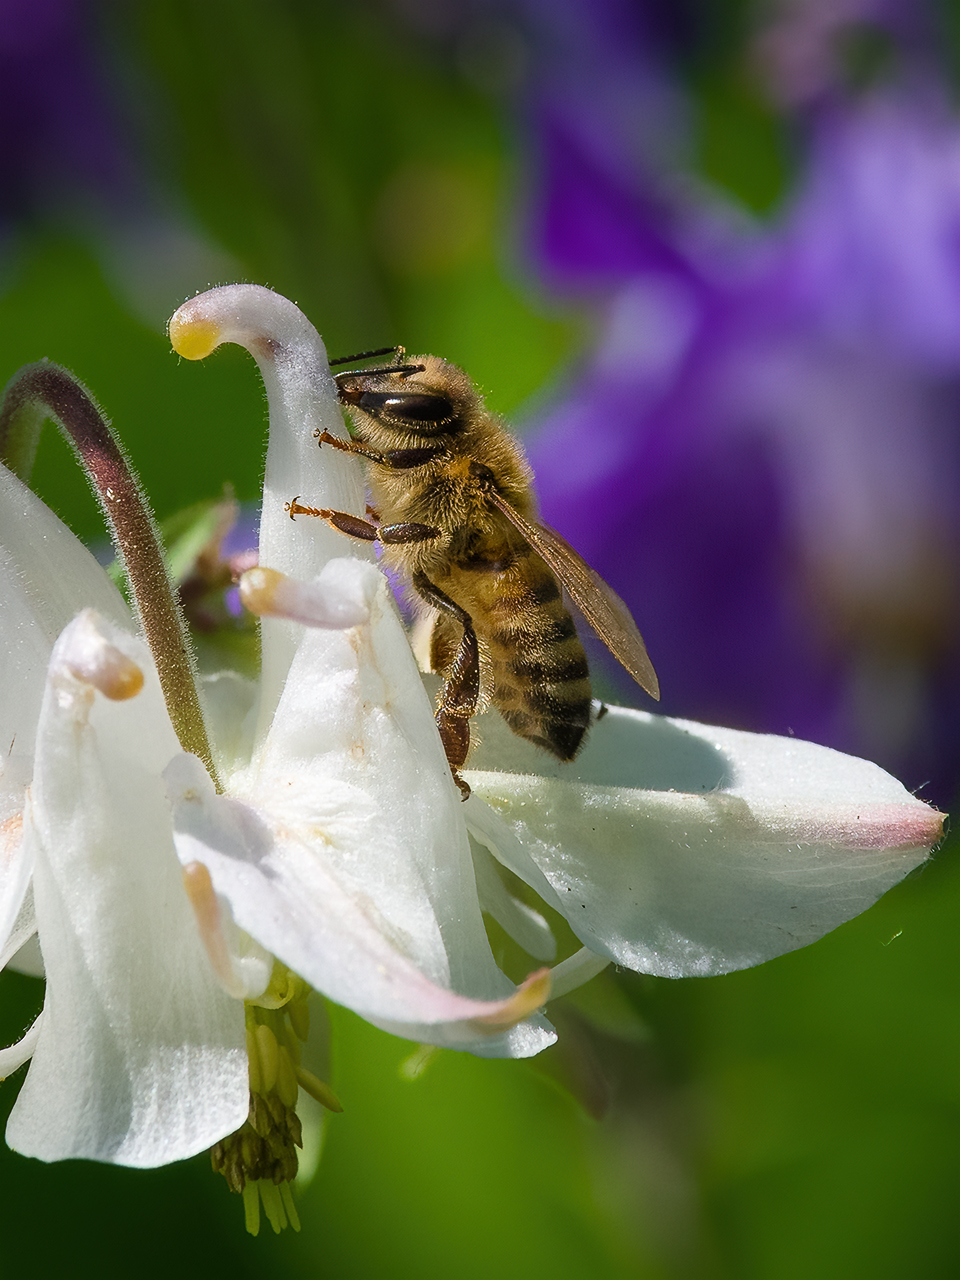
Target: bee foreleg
<point>348,446</point>
<point>461,690</point>
<point>396,459</point>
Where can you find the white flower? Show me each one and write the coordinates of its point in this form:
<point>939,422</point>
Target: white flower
<point>339,843</point>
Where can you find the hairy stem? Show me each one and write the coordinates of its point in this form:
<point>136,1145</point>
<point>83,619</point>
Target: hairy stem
<point>44,390</point>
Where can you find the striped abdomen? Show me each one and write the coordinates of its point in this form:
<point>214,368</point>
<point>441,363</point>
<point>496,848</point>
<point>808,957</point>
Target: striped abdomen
<point>533,666</point>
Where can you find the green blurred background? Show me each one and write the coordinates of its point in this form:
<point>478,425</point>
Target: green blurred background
<point>797,1120</point>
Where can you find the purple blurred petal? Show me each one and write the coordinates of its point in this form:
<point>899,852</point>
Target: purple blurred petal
<point>60,130</point>
<point>767,468</point>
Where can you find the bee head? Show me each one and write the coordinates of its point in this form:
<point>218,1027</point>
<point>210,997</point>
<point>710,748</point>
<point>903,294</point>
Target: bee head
<point>423,397</point>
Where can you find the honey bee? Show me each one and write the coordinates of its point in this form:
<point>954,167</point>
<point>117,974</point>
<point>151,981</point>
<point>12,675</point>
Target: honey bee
<point>454,510</point>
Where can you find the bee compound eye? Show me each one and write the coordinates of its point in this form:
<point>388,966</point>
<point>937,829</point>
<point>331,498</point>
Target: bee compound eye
<point>406,406</point>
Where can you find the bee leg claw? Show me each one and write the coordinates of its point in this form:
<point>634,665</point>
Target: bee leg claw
<point>464,786</point>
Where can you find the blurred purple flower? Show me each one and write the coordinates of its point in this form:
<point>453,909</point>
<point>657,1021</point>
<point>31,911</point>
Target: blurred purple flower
<point>761,454</point>
<point>60,134</point>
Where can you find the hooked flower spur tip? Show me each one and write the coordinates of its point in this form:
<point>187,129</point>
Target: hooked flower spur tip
<point>340,597</point>
<point>194,334</point>
<point>531,995</point>
<point>89,657</point>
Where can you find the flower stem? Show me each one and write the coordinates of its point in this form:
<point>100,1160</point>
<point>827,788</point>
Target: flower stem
<point>45,390</point>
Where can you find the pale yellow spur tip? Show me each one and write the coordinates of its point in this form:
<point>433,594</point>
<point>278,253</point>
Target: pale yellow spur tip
<point>531,995</point>
<point>115,675</point>
<point>193,337</point>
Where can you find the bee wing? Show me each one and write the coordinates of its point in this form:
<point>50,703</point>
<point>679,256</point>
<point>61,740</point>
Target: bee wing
<point>597,601</point>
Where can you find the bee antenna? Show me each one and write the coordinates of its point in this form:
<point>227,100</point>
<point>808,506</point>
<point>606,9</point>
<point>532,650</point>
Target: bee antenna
<point>369,355</point>
<point>406,369</point>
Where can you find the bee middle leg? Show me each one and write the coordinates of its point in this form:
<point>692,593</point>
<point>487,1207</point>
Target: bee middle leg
<point>461,690</point>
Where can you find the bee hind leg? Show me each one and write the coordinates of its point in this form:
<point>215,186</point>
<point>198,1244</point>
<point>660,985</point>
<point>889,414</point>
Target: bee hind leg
<point>461,689</point>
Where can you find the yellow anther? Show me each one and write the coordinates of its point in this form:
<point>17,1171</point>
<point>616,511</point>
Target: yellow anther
<point>298,1011</point>
<point>259,1160</point>
<point>317,1090</point>
<point>287,1087</point>
<point>251,1208</point>
<point>289,1042</point>
<point>269,1053</point>
<point>193,338</point>
<point>253,1062</point>
<point>273,1206</point>
<point>286,1195</point>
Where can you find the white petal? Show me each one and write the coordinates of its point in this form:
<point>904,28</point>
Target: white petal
<point>22,931</point>
<point>286,895</point>
<point>300,391</point>
<point>349,859</point>
<point>230,709</point>
<point>575,971</point>
<point>46,577</point>
<point>679,849</point>
<point>28,958</point>
<point>17,1054</point>
<point>16,907</point>
<point>140,1056</point>
<point>527,927</point>
<point>243,968</point>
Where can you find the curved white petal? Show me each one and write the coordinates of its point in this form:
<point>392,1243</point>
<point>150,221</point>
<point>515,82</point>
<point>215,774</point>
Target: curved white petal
<point>17,1054</point>
<point>679,849</point>
<point>338,598</point>
<point>576,970</point>
<point>297,906</point>
<point>46,577</point>
<point>140,1057</point>
<point>526,926</point>
<point>293,364</point>
<point>22,931</point>
<point>349,857</point>
<point>16,868</point>
<point>28,958</point>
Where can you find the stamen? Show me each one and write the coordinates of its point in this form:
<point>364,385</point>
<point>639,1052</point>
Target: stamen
<point>273,1205</point>
<point>17,1054</point>
<point>260,1160</point>
<point>268,1052</point>
<point>286,1195</point>
<point>251,1208</point>
<point>287,1086</point>
<point>298,1011</point>
<point>575,971</point>
<point>317,1090</point>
